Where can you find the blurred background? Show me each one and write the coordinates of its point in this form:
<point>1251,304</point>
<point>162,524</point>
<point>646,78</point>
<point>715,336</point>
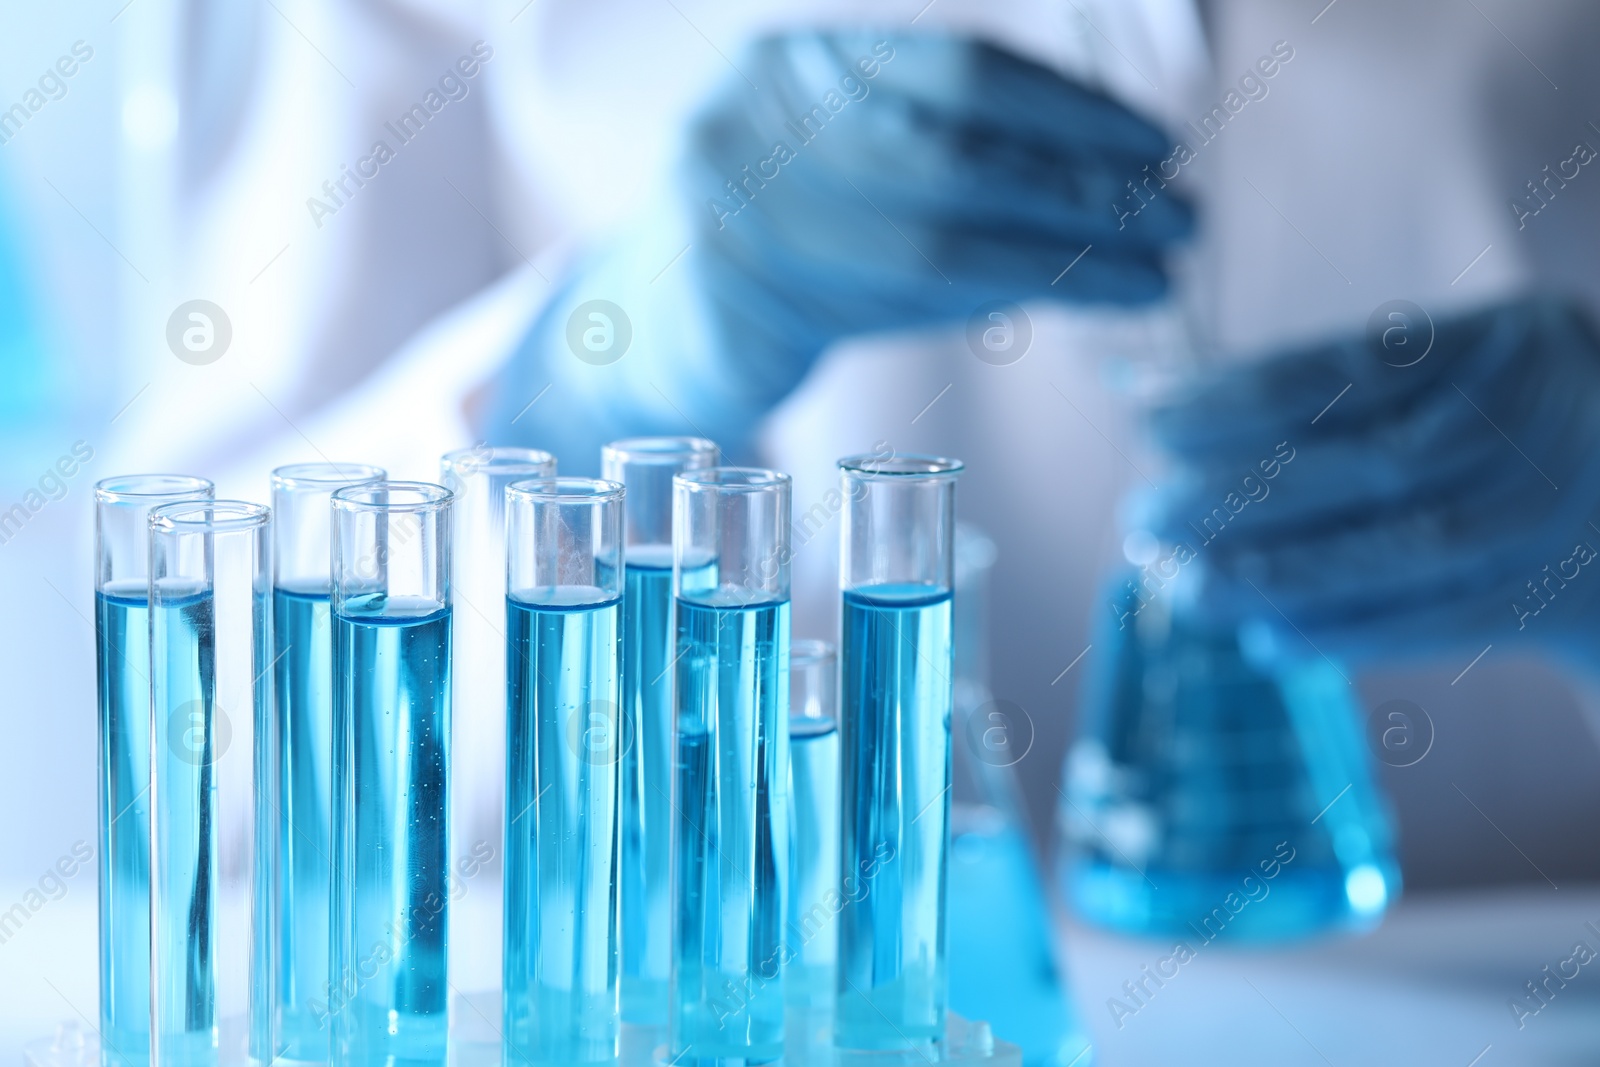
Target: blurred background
<point>196,153</point>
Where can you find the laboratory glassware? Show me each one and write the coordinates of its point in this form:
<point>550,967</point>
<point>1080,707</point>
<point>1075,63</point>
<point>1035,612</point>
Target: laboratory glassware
<point>212,793</point>
<point>813,826</point>
<point>731,560</point>
<point>478,477</point>
<point>391,889</point>
<point>896,695</point>
<point>1218,787</point>
<point>302,633</point>
<point>122,646</point>
<point>1002,951</point>
<point>646,466</point>
<point>564,747</point>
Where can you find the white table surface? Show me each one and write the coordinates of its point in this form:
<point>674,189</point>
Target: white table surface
<point>1430,987</point>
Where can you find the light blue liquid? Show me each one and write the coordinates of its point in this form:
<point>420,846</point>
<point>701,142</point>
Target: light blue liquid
<point>1197,769</point>
<point>999,943</point>
<point>302,634</point>
<point>896,701</point>
<point>647,785</point>
<point>122,639</point>
<point>813,862</point>
<point>193,732</point>
<point>563,790</point>
<point>731,841</point>
<point>391,856</point>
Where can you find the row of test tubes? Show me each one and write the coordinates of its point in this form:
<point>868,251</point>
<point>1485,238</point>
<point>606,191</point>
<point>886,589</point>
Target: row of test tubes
<point>477,772</point>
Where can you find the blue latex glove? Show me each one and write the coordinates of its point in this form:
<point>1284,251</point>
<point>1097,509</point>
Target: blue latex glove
<point>955,174</point>
<point>1441,506</point>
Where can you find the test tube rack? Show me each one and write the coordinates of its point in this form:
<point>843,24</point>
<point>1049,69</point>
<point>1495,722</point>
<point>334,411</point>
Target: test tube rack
<point>809,1045</point>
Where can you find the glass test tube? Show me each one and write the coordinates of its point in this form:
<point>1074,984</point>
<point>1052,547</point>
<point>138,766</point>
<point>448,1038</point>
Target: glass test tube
<point>122,646</point>
<point>391,774</point>
<point>211,833</point>
<point>646,466</point>
<point>302,632</point>
<point>731,695</point>
<point>814,825</point>
<point>1000,947</point>
<point>564,743</point>
<point>896,698</point>
<point>478,478</point>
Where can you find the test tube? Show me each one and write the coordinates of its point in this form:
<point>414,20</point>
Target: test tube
<point>391,774</point>
<point>122,647</point>
<point>646,466</point>
<point>302,632</point>
<point>896,697</point>
<point>730,578</point>
<point>564,743</point>
<point>211,832</point>
<point>1000,947</point>
<point>814,825</point>
<point>478,477</point>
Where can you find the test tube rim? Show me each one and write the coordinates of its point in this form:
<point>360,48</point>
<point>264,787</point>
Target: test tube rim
<point>662,450</point>
<point>208,516</point>
<point>976,539</point>
<point>295,476</point>
<point>431,497</point>
<point>910,465</point>
<point>805,652</point>
<point>724,480</point>
<point>565,489</point>
<point>181,487</point>
<point>811,650</point>
<point>500,459</point>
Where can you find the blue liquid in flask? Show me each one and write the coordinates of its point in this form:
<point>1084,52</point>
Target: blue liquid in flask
<point>732,846</point>
<point>1000,940</point>
<point>647,784</point>
<point>122,633</point>
<point>303,639</point>
<point>1197,768</point>
<point>895,705</point>
<point>1002,969</point>
<point>391,855</point>
<point>564,744</point>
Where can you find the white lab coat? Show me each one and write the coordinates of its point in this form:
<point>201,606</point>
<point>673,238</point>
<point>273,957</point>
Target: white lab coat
<point>565,130</point>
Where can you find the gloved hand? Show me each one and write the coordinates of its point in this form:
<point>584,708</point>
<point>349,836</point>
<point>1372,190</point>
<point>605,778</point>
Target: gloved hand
<point>1442,506</point>
<point>872,182</point>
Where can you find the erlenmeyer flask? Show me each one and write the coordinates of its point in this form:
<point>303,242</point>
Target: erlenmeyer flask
<point>1214,793</point>
<point>1000,946</point>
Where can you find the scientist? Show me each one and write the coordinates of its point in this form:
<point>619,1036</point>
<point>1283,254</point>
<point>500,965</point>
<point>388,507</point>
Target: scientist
<point>698,220</point>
